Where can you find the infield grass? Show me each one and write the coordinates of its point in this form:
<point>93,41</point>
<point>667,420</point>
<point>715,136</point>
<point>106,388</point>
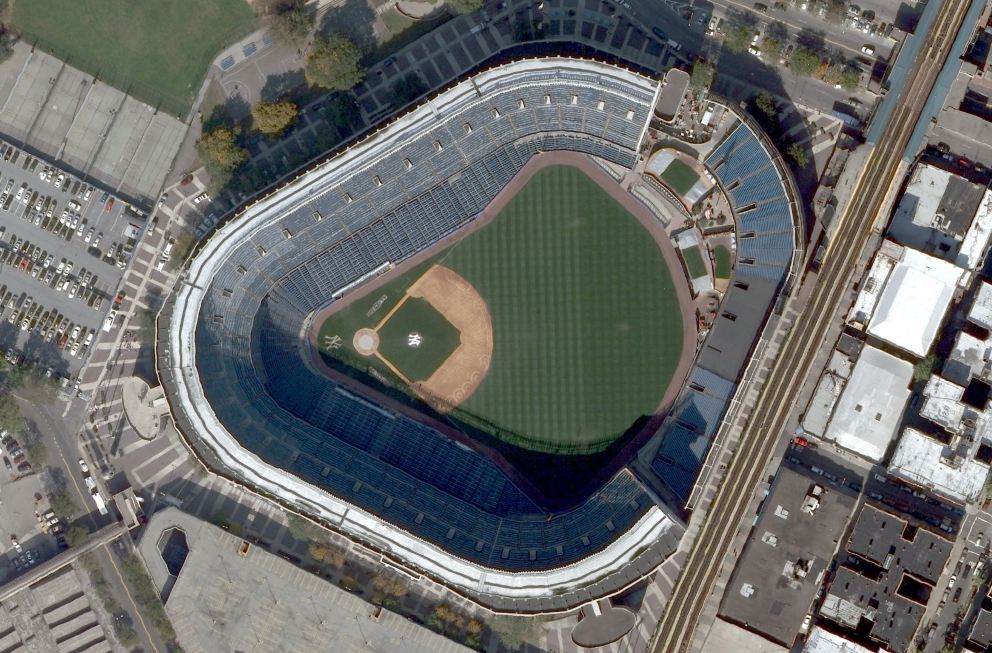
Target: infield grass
<point>587,329</point>
<point>680,177</point>
<point>440,339</point>
<point>165,46</point>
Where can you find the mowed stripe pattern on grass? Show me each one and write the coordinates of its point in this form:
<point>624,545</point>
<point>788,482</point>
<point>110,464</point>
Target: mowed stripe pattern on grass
<point>586,321</point>
<point>164,46</point>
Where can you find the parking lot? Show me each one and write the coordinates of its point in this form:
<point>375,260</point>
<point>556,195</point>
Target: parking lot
<point>29,534</point>
<point>63,249</point>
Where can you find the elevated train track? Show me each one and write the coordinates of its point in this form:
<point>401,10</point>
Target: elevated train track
<point>770,416</point>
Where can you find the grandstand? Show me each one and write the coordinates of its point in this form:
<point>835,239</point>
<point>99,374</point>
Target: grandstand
<point>750,172</point>
<point>235,363</point>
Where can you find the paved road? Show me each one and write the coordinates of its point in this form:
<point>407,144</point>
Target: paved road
<point>769,418</point>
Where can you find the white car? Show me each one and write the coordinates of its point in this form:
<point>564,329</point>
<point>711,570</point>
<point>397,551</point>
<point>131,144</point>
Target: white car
<point>60,267</point>
<point>806,622</point>
<point>868,49</point>
<point>89,235</point>
<point>89,339</point>
<point>75,349</point>
<point>86,195</point>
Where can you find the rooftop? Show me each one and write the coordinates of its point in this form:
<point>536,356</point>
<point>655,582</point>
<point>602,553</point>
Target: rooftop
<point>926,462</point>
<point>672,92</point>
<point>969,358</point>
<point>981,309</point>
<point>980,637</point>
<point>225,601</point>
<point>889,583</point>
<point>822,641</point>
<point>971,255</point>
<point>785,556</point>
<point>868,413</point>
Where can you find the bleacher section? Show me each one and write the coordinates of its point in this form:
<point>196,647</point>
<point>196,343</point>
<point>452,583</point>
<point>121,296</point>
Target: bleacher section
<point>766,244</point>
<point>253,364</point>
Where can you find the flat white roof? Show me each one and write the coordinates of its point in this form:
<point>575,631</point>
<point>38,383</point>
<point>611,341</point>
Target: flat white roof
<point>926,462</point>
<point>981,310</point>
<point>821,641</point>
<point>975,245</point>
<point>874,283</point>
<point>921,200</point>
<point>969,357</point>
<point>869,409</point>
<point>913,303</point>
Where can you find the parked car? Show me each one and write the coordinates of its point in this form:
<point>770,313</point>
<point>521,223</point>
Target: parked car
<point>24,468</point>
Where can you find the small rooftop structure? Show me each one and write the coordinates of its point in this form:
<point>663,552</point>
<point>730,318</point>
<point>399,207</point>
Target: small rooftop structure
<point>928,463</point>
<point>981,308</point>
<point>823,641</point>
<point>905,296</point>
<point>867,415</point>
<point>672,92</point>
<point>942,403</point>
<point>887,578</point>
<point>786,556</point>
<point>969,358</point>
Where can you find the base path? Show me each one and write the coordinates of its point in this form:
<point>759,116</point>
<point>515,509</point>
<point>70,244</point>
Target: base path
<point>462,372</point>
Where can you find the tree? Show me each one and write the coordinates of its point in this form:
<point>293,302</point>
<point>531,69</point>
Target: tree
<point>330,555</point>
<point>738,39</point>
<point>220,153</point>
<point>389,586</point>
<point>10,414</point>
<point>38,455</point>
<point>302,529</point>
<point>37,389</point>
<point>850,80</point>
<point>335,63</point>
<point>408,88</point>
<point>923,370</point>
<point>127,636</point>
<point>702,74</point>
<point>803,62</point>
<point>6,46</point>
<point>778,31</point>
<point>343,112</point>
<point>62,504</point>
<point>291,26</point>
<point>798,155</point>
<point>273,118</point>
<point>465,6</point>
<point>766,102</point>
<point>77,535</point>
<point>181,249</point>
<point>772,48</point>
<point>513,631</point>
<point>836,12</point>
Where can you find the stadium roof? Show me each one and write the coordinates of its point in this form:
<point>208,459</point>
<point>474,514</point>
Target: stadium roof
<point>869,410</point>
<point>913,303</point>
<point>923,461</point>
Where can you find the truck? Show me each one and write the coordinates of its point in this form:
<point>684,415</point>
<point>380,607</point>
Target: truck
<point>674,45</point>
<point>101,505</point>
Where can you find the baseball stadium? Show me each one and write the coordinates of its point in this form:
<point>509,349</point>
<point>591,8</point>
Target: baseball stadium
<point>462,342</point>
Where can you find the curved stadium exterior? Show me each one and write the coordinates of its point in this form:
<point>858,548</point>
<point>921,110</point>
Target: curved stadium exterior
<point>233,358</point>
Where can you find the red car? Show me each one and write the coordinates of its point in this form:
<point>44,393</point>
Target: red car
<point>20,459</point>
<point>801,441</point>
<point>110,205</point>
<point>23,265</point>
<point>62,341</point>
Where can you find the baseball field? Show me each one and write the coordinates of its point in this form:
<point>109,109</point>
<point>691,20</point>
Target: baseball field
<point>554,327</point>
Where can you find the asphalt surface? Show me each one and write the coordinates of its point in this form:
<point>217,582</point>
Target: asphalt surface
<point>769,419</point>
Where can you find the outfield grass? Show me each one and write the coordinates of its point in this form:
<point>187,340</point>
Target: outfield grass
<point>721,256</point>
<point>679,177</point>
<point>164,45</point>
<point>395,21</point>
<point>694,262</point>
<point>587,328</point>
<point>440,339</point>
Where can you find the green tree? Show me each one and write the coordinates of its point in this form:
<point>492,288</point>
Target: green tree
<point>291,25</point>
<point>62,504</point>
<point>6,45</point>
<point>850,80</point>
<point>221,154</point>
<point>465,6</point>
<point>772,48</point>
<point>37,388</point>
<point>77,535</point>
<point>738,39</point>
<point>798,155</point>
<point>273,118</point>
<point>923,370</point>
<point>334,63</point>
<point>343,112</point>
<point>766,102</point>
<point>513,631</point>
<point>702,74</point>
<point>778,31</point>
<point>181,249</point>
<point>127,636</point>
<point>10,414</point>
<point>38,455</point>
<point>408,88</point>
<point>302,529</point>
<point>803,62</point>
<point>836,12</point>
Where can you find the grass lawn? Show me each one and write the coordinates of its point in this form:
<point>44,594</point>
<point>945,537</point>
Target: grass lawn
<point>694,262</point>
<point>440,338</point>
<point>165,46</point>
<point>587,328</point>
<point>721,256</point>
<point>679,177</point>
<point>395,21</point>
